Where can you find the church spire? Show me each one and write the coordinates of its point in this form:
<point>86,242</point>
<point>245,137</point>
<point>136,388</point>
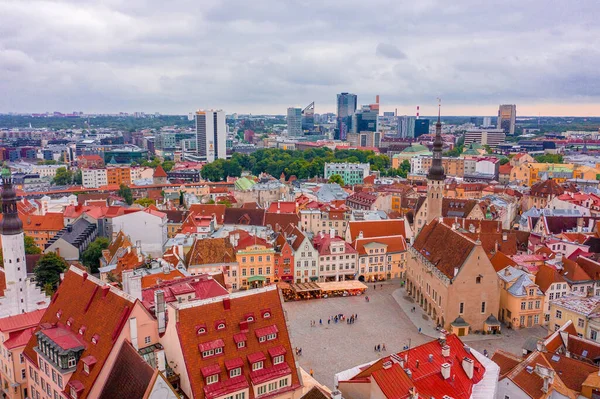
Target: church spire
<point>436,172</point>
<point>11,223</point>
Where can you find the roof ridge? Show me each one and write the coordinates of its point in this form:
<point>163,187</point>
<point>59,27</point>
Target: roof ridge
<point>234,295</point>
<point>99,283</point>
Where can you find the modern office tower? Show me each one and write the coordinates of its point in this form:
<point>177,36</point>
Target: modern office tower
<point>421,127</point>
<point>346,107</point>
<point>507,116</point>
<point>491,137</point>
<point>364,139</point>
<point>365,119</point>
<point>487,121</point>
<point>308,117</point>
<point>211,135</point>
<point>294,122</point>
<point>406,126</point>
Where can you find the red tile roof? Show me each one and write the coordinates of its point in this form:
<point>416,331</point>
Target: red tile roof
<point>282,207</point>
<point>209,210</point>
<point>506,360</point>
<point>322,244</point>
<point>500,261</point>
<point>21,321</point>
<point>199,287</point>
<point>394,244</point>
<point>156,278</point>
<point>546,276</point>
<point>232,313</point>
<point>209,251</point>
<point>546,188</point>
<point>101,309</point>
<point>377,228</point>
<point>159,172</point>
<point>426,375</point>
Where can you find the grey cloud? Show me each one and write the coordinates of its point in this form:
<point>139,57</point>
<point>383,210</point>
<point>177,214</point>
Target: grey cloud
<point>387,50</point>
<point>173,57</point>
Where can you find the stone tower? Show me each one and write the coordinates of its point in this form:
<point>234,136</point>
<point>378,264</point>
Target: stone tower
<point>21,294</point>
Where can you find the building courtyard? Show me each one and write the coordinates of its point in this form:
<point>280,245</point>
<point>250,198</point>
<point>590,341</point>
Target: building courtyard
<point>331,348</point>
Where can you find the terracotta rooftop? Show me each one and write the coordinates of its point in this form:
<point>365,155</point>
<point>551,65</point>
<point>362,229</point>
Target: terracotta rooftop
<point>546,188</point>
<point>159,172</point>
<point>198,287</point>
<point>82,301</point>
<point>210,251</point>
<point>244,216</point>
<point>21,321</point>
<point>500,261</point>
<point>264,306</point>
<point>322,243</point>
<point>376,228</point>
<point>394,244</point>
<point>453,207</point>
<point>209,210</point>
<point>546,276</point>
<point>443,247</point>
<point>282,207</point>
<point>506,360</point>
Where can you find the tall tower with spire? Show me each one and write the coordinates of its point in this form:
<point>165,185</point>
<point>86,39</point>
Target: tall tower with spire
<point>21,294</point>
<point>431,207</point>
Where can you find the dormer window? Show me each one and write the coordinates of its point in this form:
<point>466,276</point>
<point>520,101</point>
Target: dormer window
<point>72,362</point>
<point>221,326</point>
<point>58,314</point>
<point>266,313</point>
<point>250,319</point>
<point>241,344</point>
<point>82,330</point>
<point>212,379</point>
<point>201,330</point>
<point>70,321</point>
<point>235,372</point>
<point>95,339</point>
<point>257,366</point>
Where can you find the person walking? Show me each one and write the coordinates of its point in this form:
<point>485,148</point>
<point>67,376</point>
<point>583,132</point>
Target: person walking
<point>383,347</point>
<point>311,372</point>
<point>321,321</point>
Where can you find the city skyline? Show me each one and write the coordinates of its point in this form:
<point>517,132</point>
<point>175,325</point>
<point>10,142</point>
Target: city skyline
<point>254,58</point>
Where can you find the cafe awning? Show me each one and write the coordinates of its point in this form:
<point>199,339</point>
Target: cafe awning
<point>348,285</point>
<point>305,287</point>
<point>256,278</point>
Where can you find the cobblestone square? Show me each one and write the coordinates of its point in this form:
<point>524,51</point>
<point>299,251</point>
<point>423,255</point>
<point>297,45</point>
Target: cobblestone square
<point>330,348</point>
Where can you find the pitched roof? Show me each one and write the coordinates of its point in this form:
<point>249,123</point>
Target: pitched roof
<point>297,234</point>
<point>21,321</point>
<point>159,172</point>
<point>572,372</point>
<point>209,210</point>
<point>129,377</point>
<point>500,261</point>
<point>506,360</point>
<point>85,301</point>
<point>282,207</point>
<point>322,244</point>
<point>453,207</point>
<point>546,276</point>
<point>394,244</point>
<point>208,251</point>
<point>443,247</point>
<point>590,267</point>
<point>244,216</point>
<point>546,188</point>
<point>281,219</point>
<point>156,278</point>
<point>234,312</point>
<point>572,272</point>
<point>201,286</point>
<point>376,228</point>
<point>426,377</point>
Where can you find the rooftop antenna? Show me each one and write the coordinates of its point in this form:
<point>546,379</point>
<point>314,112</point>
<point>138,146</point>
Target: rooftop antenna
<point>417,112</point>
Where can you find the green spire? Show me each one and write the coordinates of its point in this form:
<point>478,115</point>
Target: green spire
<point>5,171</point>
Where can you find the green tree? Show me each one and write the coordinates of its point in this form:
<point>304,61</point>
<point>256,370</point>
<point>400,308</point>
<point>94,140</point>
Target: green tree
<point>181,198</point>
<point>336,179</point>
<point>225,202</point>
<point>549,158</point>
<point>78,177</point>
<point>91,256</point>
<point>145,202</point>
<point>63,177</point>
<point>504,161</point>
<point>30,247</point>
<point>125,193</point>
<point>168,165</point>
<point>47,271</point>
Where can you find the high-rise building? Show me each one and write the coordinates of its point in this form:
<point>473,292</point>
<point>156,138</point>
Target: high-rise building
<point>507,117</point>
<point>308,117</point>
<point>365,120</point>
<point>491,137</point>
<point>21,294</point>
<point>487,121</point>
<point>421,127</point>
<point>346,107</point>
<point>294,122</point>
<point>406,126</point>
<point>211,134</point>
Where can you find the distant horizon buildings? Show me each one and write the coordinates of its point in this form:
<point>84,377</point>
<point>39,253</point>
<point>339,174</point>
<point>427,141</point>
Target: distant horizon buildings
<point>507,117</point>
<point>211,135</point>
<point>406,126</point>
<point>294,122</point>
<point>346,107</point>
<point>365,119</point>
<point>308,117</point>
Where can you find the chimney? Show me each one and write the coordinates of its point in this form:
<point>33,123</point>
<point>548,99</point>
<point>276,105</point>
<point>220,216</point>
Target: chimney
<point>446,371</point>
<point>85,276</point>
<point>161,363</point>
<point>467,365</point>
<point>226,303</point>
<point>446,351</point>
<point>160,310</point>
<point>504,236</point>
<point>455,271</point>
<point>546,385</point>
<point>430,358</point>
<point>413,393</point>
<point>496,247</point>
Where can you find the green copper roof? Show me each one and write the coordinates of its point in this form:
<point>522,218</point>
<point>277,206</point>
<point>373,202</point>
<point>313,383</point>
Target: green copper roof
<point>415,148</point>
<point>476,146</point>
<point>244,183</point>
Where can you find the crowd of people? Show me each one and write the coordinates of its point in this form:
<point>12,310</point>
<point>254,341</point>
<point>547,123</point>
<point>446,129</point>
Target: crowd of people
<point>337,318</point>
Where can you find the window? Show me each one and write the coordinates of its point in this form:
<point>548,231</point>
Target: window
<point>271,337</point>
<point>278,359</point>
<point>235,372</point>
<point>212,379</point>
<point>241,344</point>
<point>522,320</point>
<point>208,353</point>
<point>558,314</point>
<point>73,393</point>
<point>283,383</point>
<point>201,330</point>
<point>257,366</point>
<point>147,340</point>
<point>266,315</point>
<point>72,362</point>
<point>262,389</point>
<point>537,304</point>
<point>262,339</point>
<point>593,335</point>
<point>529,305</point>
<point>478,280</point>
<point>218,351</point>
<point>531,291</point>
<point>552,296</point>
<point>60,381</point>
<point>580,323</point>
<point>221,326</point>
<point>461,308</point>
<point>86,368</point>
<point>536,319</point>
<point>482,307</point>
<point>23,374</point>
<point>523,305</point>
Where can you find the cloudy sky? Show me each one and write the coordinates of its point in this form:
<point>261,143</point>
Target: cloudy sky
<point>262,56</point>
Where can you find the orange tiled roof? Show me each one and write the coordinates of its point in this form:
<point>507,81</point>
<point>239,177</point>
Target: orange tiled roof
<point>234,312</point>
<point>547,275</point>
<point>507,361</point>
<point>500,261</point>
<point>159,172</point>
<point>209,210</point>
<point>210,250</point>
<point>85,302</point>
<point>376,228</point>
<point>153,279</point>
<point>49,222</point>
<point>394,244</point>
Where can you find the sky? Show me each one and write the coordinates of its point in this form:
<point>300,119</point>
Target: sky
<point>260,57</point>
